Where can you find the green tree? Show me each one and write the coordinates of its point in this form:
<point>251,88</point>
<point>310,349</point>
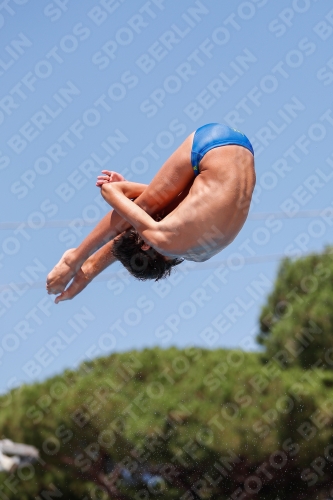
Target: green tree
<point>191,424</point>
<point>202,421</point>
<point>296,323</point>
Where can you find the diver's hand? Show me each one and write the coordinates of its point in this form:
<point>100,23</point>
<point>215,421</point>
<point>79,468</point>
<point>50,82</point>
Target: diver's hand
<point>109,176</point>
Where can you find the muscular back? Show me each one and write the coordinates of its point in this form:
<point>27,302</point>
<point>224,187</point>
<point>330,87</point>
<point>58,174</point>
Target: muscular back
<point>216,207</point>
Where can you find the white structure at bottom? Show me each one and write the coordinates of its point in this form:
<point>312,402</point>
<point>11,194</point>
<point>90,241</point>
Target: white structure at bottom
<point>12,455</point>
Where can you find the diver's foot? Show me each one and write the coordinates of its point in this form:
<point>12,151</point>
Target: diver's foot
<point>62,273</point>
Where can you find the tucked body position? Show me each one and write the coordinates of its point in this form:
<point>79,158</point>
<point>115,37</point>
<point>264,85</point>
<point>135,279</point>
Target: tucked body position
<point>193,208</point>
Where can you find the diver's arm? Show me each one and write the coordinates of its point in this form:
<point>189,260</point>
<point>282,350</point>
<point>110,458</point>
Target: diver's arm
<point>117,195</point>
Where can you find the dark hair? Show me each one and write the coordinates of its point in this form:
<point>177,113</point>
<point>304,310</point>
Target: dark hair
<point>142,264</point>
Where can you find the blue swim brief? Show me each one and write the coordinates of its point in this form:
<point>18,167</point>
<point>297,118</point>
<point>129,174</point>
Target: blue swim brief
<point>212,136</point>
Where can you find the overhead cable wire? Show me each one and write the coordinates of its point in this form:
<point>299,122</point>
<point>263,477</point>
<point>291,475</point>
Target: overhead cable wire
<point>302,214</point>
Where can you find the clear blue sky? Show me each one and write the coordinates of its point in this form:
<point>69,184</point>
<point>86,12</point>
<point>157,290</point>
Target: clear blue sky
<point>121,84</point>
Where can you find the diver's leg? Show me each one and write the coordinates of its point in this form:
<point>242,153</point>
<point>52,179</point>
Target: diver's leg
<point>172,179</point>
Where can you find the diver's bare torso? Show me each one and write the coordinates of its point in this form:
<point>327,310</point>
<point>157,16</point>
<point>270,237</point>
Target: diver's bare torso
<point>215,208</point>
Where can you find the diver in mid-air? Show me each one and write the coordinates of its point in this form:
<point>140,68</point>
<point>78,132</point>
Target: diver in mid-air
<point>193,208</point>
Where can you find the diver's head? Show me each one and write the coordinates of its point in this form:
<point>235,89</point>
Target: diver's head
<point>141,260</point>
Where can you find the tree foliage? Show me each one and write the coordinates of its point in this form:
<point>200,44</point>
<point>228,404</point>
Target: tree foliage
<point>201,422</point>
<point>191,424</point>
<point>296,323</point>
